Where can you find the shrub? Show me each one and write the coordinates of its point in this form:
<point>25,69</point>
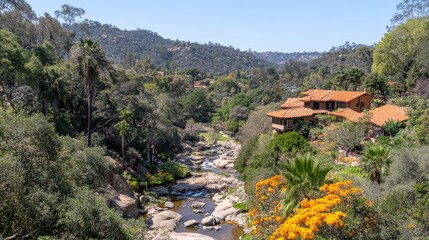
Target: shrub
<point>86,215</point>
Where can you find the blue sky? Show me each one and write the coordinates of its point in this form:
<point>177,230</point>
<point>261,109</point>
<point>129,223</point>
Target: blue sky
<point>260,25</point>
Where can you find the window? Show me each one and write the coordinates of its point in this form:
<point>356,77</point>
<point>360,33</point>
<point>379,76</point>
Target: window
<point>307,104</point>
<point>357,104</point>
<point>316,105</point>
<point>288,123</point>
<point>362,104</point>
<point>341,105</point>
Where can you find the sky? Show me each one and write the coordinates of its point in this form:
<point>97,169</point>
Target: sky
<point>259,25</point>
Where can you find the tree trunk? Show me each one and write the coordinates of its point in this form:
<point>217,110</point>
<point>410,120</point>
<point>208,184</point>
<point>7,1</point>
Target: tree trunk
<point>45,107</point>
<point>56,113</point>
<point>378,177</point>
<point>123,152</point>
<point>89,119</point>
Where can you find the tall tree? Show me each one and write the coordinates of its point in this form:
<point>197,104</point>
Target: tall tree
<point>123,126</point>
<point>396,55</point>
<point>409,9</point>
<point>12,62</point>
<point>90,60</point>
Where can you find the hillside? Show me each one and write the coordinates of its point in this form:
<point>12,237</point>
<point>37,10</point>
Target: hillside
<point>281,58</point>
<point>211,57</point>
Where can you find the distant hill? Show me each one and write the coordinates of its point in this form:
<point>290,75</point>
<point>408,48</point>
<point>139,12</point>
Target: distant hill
<point>212,57</point>
<point>281,58</point>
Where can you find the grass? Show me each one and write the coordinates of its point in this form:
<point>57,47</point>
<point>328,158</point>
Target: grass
<point>208,135</point>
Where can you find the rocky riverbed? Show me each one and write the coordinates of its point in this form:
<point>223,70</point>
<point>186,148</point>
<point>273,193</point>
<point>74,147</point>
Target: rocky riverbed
<point>201,206</point>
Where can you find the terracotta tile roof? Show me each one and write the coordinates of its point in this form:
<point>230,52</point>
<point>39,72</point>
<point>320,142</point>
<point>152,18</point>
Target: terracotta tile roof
<point>379,116</point>
<point>293,103</point>
<point>330,95</point>
<point>295,112</point>
<point>348,114</point>
<point>388,112</point>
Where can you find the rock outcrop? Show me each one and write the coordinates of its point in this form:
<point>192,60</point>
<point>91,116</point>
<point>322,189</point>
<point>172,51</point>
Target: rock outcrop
<point>123,198</point>
<point>166,220</point>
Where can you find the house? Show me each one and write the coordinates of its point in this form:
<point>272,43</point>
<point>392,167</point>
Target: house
<point>315,102</point>
<point>377,116</point>
<point>342,104</point>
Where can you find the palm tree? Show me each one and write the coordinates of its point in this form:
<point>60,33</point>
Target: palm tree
<point>376,161</point>
<point>304,176</point>
<point>122,126</point>
<point>89,59</point>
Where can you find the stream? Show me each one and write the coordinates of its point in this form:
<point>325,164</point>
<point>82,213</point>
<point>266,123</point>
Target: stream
<point>212,176</point>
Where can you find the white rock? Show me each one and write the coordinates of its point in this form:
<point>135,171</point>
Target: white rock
<point>168,204</point>
<point>190,223</point>
<point>198,204</point>
<point>166,220</point>
<point>209,221</point>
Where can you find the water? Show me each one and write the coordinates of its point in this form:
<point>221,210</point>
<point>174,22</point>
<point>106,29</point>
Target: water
<point>183,201</point>
<point>229,230</point>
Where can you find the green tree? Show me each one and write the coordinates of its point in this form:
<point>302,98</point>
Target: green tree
<point>392,127</point>
<point>123,126</point>
<point>89,59</point>
<point>376,161</point>
<point>395,55</point>
<point>410,9</point>
<point>348,79</point>
<point>12,62</point>
<point>376,84</point>
<point>198,106</point>
<point>304,176</point>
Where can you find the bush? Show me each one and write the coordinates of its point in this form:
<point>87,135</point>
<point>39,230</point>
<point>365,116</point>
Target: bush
<point>167,173</point>
<point>86,215</point>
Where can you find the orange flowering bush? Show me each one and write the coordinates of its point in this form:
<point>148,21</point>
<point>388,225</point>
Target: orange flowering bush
<point>264,213</point>
<point>313,213</point>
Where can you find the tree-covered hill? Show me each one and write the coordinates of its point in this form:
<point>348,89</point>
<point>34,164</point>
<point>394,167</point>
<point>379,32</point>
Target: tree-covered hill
<point>124,45</point>
<point>281,58</point>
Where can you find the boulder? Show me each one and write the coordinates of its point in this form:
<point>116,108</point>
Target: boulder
<point>168,204</point>
<point>144,199</point>
<point>189,236</point>
<point>216,228</point>
<point>121,185</point>
<point>125,204</point>
<point>166,220</point>
<point>209,221</point>
<point>225,209</point>
<point>198,204</point>
<point>191,223</point>
<point>159,190</point>
<point>217,198</point>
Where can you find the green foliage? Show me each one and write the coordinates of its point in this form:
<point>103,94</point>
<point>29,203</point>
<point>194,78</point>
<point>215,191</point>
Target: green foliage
<point>376,161</point>
<point>347,79</point>
<point>304,176</point>
<point>289,142</point>
<point>392,127</point>
<point>345,134</point>
<point>86,215</point>
<point>396,54</point>
<point>376,84</point>
<point>198,106</point>
<point>48,183</point>
<point>167,173</point>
